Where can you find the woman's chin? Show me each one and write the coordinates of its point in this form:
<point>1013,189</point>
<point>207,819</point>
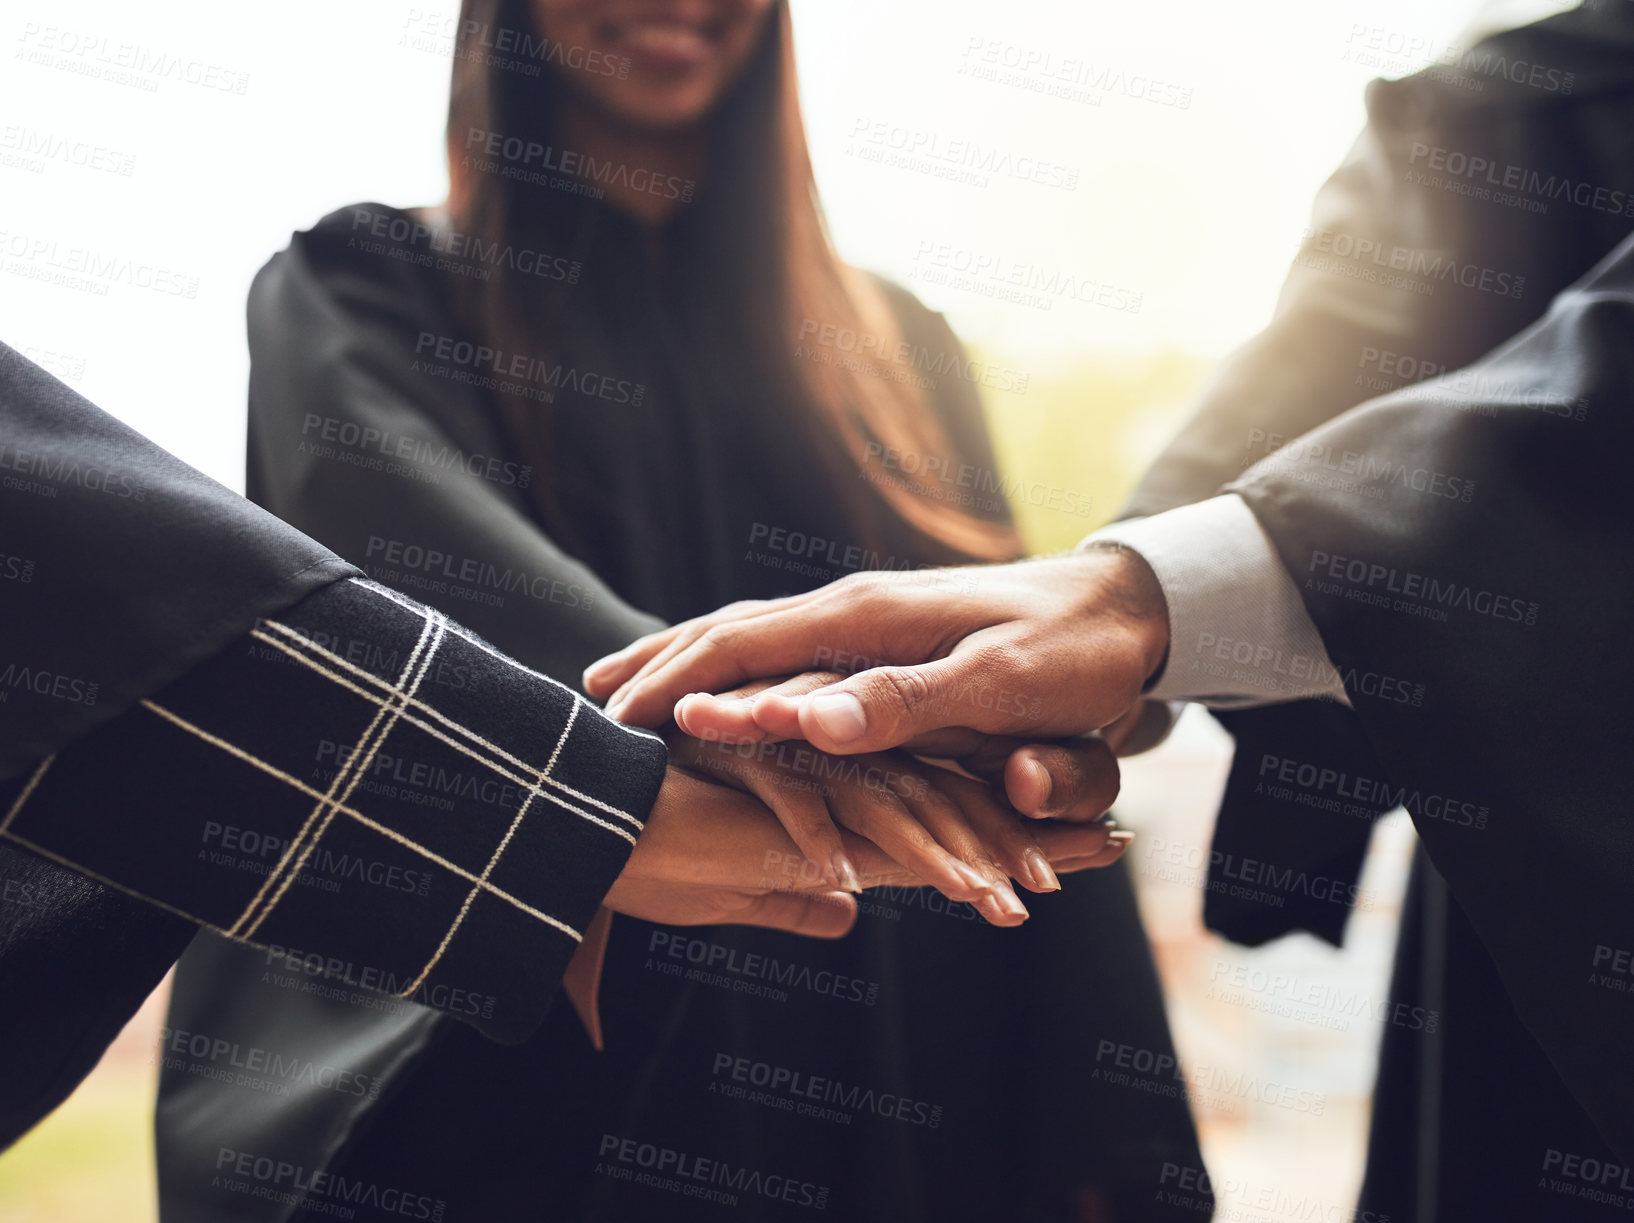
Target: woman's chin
<point>663,107</point>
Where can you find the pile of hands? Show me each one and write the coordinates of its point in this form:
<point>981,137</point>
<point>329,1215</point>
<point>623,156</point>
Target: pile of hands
<point>954,728</point>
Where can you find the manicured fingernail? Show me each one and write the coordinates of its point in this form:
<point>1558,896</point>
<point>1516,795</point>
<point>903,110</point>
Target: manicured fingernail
<point>845,872</point>
<point>1008,901</point>
<point>839,715</point>
<point>1121,839</point>
<point>973,879</point>
<point>1039,872</point>
<point>1034,768</point>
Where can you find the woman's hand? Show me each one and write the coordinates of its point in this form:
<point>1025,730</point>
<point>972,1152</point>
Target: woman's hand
<point>947,830</point>
<point>712,854</point>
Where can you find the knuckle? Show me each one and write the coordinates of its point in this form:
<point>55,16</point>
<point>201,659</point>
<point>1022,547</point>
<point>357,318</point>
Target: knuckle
<point>905,688</point>
<point>877,814</point>
<point>687,635</point>
<point>813,824</point>
<point>855,583</point>
<point>933,804</point>
<point>858,591</point>
<point>1070,778</point>
<point>1004,661</point>
<point>720,637</point>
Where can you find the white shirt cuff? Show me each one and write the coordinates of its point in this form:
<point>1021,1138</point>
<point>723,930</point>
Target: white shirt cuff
<point>1239,634</point>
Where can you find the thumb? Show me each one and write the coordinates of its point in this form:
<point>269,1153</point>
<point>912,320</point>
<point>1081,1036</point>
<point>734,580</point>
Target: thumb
<point>813,914</point>
<point>885,707</point>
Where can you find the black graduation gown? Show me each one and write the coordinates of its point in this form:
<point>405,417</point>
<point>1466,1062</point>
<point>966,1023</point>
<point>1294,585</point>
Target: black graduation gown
<point>123,568</point>
<point>1477,610</point>
<point>970,1063</point>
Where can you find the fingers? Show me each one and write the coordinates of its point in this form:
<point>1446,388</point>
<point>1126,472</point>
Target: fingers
<point>1069,779</point>
<point>797,803</point>
<point>1146,725</point>
<point>897,809</point>
<point>1008,842</point>
<point>735,717</point>
<point>959,820</point>
<point>1118,842</point>
<point>602,677</point>
<point>713,657</point>
<point>605,676</point>
<point>885,707</point>
<point>813,914</point>
<point>1074,847</point>
<point>1076,780</point>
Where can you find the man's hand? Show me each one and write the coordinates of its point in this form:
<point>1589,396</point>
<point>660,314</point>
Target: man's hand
<point>1054,647</point>
<point>1073,779</point>
<point>710,854</point>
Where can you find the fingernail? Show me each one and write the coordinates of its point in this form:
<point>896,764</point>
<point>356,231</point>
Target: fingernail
<point>1121,839</point>
<point>845,872</point>
<point>839,715</point>
<point>718,698</point>
<point>1039,872</point>
<point>1034,768</point>
<point>1008,901</point>
<point>972,878</point>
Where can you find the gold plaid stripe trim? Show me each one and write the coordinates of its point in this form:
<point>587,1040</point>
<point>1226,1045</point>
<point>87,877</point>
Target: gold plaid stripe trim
<point>510,775</point>
<point>343,809</point>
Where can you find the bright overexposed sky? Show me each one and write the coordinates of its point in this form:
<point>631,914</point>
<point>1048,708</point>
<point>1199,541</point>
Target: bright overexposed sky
<point>1164,150</point>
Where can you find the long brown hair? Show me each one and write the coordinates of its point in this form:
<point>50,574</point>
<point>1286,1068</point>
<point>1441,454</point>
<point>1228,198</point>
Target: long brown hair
<point>774,247</point>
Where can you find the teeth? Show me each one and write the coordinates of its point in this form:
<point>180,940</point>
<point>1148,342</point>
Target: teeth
<point>667,39</point>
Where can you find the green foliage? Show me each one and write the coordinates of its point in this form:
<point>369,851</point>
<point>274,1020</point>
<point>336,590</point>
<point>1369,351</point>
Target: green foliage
<point>1073,445</point>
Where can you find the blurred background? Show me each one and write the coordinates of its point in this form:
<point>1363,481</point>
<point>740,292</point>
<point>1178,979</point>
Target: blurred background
<point>1189,143</point>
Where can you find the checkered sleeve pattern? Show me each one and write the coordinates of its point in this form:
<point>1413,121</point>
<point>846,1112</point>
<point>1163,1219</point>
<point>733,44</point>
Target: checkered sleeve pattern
<point>371,793</point>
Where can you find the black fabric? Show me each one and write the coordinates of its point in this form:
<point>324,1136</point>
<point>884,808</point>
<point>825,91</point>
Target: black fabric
<point>1470,1062</point>
<point>671,501</point>
<point>920,1100</point>
<point>1535,458</point>
<point>1517,594</point>
<point>124,565</point>
<point>76,961</point>
<point>1290,856</point>
<point>114,852</point>
<point>376,800</point>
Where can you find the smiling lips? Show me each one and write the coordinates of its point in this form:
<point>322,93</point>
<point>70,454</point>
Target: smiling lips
<point>664,44</point>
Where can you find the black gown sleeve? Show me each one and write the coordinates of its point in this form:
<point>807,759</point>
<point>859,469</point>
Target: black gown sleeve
<point>365,790</point>
<point>1512,609</point>
<point>120,565</point>
<point>1404,272</point>
<point>368,793</point>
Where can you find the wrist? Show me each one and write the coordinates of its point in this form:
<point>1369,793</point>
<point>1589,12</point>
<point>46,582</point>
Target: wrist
<point>1126,588</point>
